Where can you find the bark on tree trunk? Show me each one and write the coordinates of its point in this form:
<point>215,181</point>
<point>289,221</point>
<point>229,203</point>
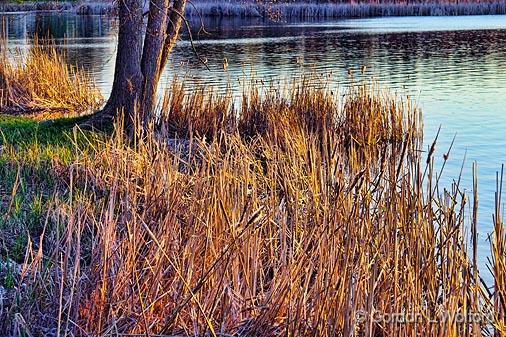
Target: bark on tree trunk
<point>127,73</point>
<point>139,65</point>
<point>152,54</point>
<point>176,16</point>
<point>161,36</point>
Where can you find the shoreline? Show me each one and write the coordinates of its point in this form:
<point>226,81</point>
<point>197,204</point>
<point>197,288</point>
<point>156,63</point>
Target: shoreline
<point>304,10</point>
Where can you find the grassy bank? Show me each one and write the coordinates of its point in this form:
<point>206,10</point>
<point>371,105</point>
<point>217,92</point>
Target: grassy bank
<point>299,212</point>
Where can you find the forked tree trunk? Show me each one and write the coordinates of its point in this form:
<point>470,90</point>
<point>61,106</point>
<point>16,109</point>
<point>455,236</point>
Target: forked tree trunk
<point>139,65</point>
<point>152,54</point>
<point>164,24</point>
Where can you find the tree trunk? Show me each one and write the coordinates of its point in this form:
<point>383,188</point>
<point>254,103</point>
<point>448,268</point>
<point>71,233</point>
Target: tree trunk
<point>128,77</point>
<point>139,65</point>
<point>152,54</point>
<point>176,17</point>
<point>162,33</point>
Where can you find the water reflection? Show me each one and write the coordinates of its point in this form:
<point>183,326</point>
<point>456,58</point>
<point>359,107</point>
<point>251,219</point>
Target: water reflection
<point>57,26</point>
<point>88,41</point>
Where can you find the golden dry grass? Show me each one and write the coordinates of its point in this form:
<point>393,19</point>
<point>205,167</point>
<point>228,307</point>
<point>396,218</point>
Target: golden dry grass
<point>305,214</point>
<point>42,83</point>
<point>298,212</point>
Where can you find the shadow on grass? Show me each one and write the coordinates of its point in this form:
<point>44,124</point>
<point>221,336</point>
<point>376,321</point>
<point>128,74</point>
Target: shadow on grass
<point>24,131</point>
<point>34,163</point>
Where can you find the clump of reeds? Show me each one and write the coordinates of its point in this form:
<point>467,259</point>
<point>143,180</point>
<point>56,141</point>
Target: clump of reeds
<point>204,112</point>
<point>365,116</point>
<point>43,83</point>
<point>304,214</point>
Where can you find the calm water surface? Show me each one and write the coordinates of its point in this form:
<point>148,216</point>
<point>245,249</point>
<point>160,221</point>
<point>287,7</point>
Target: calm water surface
<point>455,68</point>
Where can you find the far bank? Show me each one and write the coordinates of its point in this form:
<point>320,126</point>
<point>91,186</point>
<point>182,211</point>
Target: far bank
<point>288,9</point>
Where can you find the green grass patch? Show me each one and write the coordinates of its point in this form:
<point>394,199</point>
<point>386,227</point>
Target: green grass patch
<point>24,131</point>
<point>34,161</point>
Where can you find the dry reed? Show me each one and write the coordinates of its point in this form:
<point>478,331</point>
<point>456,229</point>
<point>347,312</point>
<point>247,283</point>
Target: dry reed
<point>43,83</point>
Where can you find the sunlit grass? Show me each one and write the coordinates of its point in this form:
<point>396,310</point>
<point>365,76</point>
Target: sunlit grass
<point>43,84</point>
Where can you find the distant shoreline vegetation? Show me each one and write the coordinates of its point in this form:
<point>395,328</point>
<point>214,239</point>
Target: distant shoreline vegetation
<point>295,9</point>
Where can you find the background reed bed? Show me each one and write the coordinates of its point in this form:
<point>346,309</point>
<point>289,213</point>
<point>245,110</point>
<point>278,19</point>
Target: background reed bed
<point>338,9</point>
<point>296,212</point>
<point>42,83</point>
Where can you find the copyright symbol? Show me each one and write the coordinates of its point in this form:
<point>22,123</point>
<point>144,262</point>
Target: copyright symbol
<point>360,316</point>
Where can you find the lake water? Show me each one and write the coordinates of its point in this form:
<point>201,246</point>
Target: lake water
<point>455,68</point>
